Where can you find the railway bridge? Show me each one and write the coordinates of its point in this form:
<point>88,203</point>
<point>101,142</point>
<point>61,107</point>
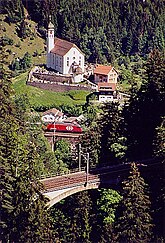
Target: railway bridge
<point>52,137</point>
<point>59,187</point>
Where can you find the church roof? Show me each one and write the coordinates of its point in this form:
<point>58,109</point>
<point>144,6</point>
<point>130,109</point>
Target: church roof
<point>61,47</point>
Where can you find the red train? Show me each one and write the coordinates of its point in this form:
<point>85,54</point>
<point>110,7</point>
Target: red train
<point>64,127</point>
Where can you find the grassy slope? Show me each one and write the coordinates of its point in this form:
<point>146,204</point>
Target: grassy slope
<point>26,45</point>
<point>39,97</point>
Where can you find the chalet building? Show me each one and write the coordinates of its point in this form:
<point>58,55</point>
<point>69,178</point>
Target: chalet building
<point>106,91</point>
<point>64,57</point>
<point>106,79</point>
<point>105,74</point>
<point>53,115</point>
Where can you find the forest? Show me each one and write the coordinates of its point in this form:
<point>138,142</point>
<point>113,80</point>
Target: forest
<point>103,29</point>
<point>107,31</point>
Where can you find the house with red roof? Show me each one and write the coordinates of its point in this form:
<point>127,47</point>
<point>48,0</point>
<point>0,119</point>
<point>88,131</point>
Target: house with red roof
<point>63,56</point>
<point>106,79</point>
<point>53,115</point>
<point>106,74</point>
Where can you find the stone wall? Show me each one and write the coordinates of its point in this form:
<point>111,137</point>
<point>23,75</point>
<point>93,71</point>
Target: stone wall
<point>52,78</point>
<point>56,87</point>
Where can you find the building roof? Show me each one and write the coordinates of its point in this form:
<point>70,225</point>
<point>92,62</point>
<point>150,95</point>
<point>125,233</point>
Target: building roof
<point>71,119</point>
<point>106,86</point>
<point>54,112</point>
<point>104,70</point>
<point>61,47</point>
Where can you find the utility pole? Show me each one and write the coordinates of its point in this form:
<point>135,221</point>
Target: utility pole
<point>79,156</point>
<point>53,142</point>
<point>87,172</point>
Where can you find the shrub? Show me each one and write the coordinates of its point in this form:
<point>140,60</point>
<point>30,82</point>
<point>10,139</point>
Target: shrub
<point>22,63</point>
<point>6,41</point>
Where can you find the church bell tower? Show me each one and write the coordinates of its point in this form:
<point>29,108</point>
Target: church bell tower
<point>50,42</point>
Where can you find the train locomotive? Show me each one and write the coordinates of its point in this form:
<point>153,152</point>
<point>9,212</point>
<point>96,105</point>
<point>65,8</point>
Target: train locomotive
<point>64,127</point>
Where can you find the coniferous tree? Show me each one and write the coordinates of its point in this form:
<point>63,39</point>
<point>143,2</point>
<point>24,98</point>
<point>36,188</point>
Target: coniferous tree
<point>135,27</point>
<point>81,224</point>
<point>24,216</point>
<point>90,143</point>
<point>8,139</point>
<point>135,223</point>
<point>112,140</point>
<point>146,109</point>
<point>158,182</point>
<point>72,218</point>
<point>159,141</point>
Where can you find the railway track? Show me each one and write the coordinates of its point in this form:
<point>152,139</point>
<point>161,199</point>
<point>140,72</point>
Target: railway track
<point>71,180</point>
<point>101,175</point>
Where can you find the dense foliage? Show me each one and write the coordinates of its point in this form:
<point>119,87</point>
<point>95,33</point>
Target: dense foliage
<point>146,108</point>
<point>22,63</point>
<point>135,223</point>
<point>24,214</point>
<point>102,29</point>
<point>106,31</point>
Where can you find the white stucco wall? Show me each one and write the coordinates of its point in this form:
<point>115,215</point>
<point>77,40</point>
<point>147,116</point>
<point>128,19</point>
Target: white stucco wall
<point>78,78</point>
<point>112,76</point>
<point>73,55</point>
<point>56,62</point>
<point>105,98</point>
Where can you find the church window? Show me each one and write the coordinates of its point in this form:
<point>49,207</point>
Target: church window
<point>67,63</point>
<point>74,58</point>
<point>80,62</point>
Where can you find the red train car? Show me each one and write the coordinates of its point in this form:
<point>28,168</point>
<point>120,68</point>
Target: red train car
<point>64,127</point>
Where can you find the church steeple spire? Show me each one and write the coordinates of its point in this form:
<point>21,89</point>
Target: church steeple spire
<point>50,40</point>
<point>50,23</point>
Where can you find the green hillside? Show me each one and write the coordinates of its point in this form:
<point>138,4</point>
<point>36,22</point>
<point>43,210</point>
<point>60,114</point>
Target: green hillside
<point>17,47</point>
<point>44,98</point>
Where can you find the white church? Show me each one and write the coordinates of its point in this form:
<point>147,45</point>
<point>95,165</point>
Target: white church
<point>63,56</point>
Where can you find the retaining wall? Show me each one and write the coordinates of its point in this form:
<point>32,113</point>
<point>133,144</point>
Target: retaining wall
<point>58,87</point>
